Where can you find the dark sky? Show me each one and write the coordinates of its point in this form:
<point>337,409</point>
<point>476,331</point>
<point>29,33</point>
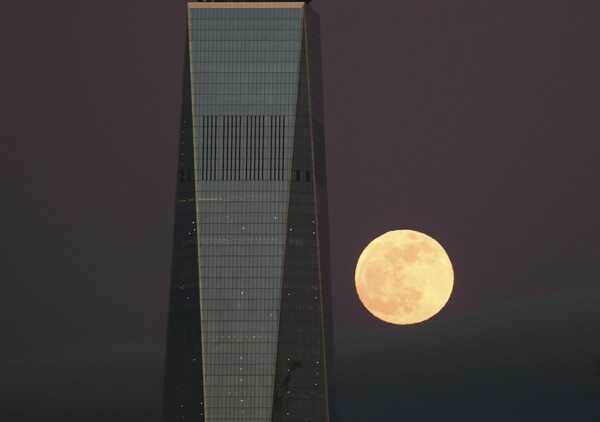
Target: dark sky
<point>473,121</point>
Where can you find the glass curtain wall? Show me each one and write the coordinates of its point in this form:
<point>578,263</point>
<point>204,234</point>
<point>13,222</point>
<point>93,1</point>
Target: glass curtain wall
<point>249,321</point>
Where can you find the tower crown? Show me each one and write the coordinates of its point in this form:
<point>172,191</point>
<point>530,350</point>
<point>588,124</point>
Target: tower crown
<point>247,1</point>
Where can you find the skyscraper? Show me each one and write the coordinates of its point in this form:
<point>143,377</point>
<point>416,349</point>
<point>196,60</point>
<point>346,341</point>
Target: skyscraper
<point>250,331</point>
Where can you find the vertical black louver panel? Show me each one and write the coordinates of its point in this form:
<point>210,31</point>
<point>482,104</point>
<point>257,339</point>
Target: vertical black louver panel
<point>252,149</point>
<point>262,148</point>
<point>277,147</point>
<point>247,150</point>
<point>213,149</point>
<point>223,140</point>
<point>225,150</point>
<point>242,148</point>
<point>271,150</point>
<point>281,140</point>
<point>237,147</point>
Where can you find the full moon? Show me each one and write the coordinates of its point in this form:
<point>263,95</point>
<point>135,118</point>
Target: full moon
<point>404,277</point>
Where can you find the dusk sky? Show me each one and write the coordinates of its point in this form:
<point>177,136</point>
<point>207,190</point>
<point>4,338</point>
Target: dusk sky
<point>473,121</point>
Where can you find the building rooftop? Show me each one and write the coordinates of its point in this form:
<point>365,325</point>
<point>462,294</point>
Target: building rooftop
<point>249,1</point>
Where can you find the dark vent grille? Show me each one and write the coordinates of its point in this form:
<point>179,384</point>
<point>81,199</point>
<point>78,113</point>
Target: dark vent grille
<point>242,148</point>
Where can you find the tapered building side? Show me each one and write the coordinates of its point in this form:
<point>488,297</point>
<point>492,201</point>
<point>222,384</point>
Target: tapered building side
<point>250,331</point>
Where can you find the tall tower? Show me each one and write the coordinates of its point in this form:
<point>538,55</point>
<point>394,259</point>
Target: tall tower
<point>250,327</point>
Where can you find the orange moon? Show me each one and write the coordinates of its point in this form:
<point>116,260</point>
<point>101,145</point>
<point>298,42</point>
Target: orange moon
<point>404,277</point>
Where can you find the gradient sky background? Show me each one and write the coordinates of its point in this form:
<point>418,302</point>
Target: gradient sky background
<point>473,121</point>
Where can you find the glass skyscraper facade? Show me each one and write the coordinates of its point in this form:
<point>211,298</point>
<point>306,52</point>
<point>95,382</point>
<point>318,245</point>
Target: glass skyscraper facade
<point>250,327</point>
